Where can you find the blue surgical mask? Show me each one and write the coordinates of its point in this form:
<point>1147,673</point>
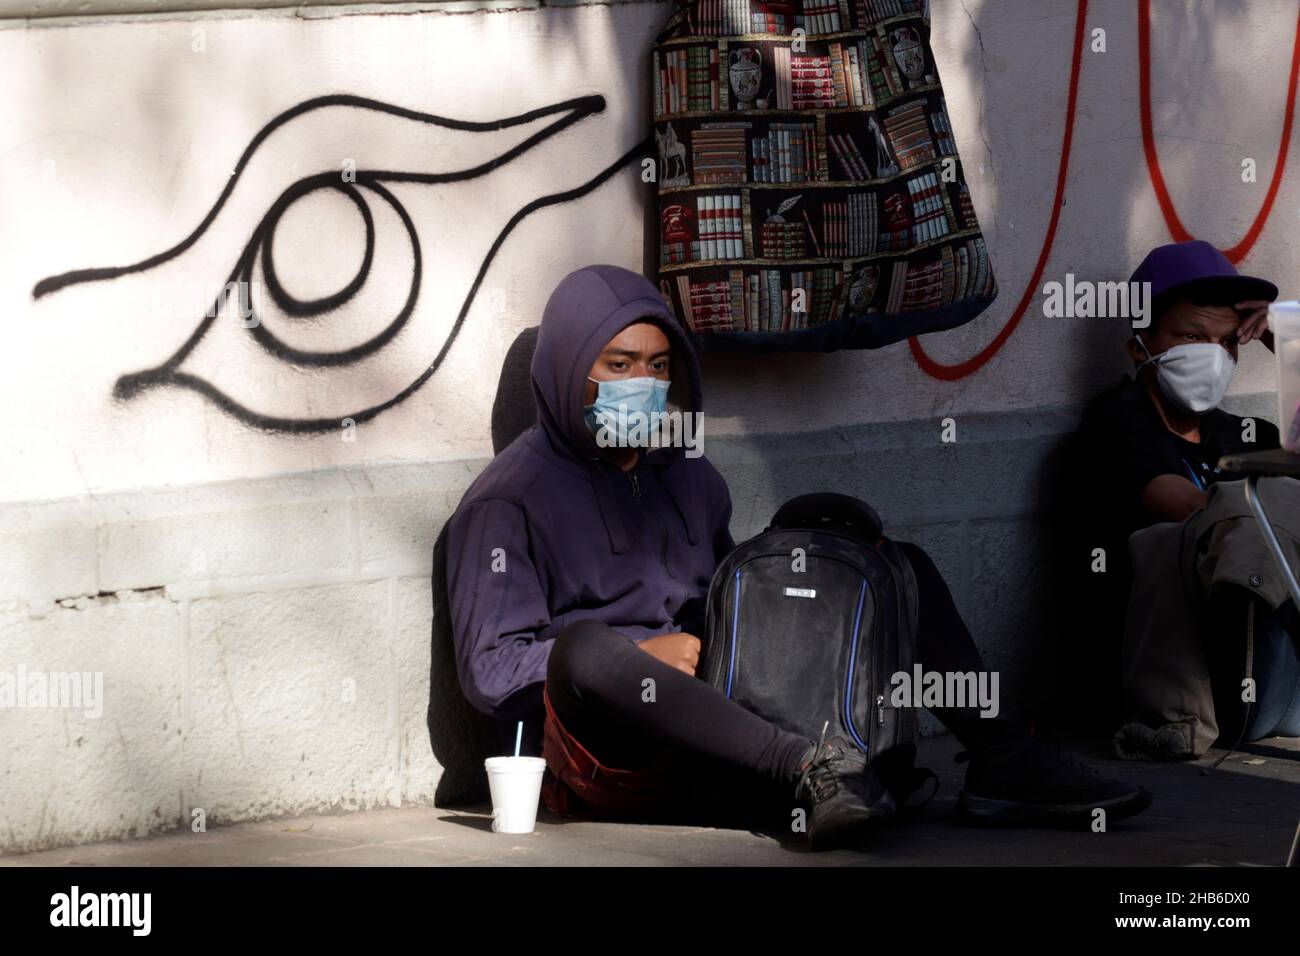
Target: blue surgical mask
<point>637,397</point>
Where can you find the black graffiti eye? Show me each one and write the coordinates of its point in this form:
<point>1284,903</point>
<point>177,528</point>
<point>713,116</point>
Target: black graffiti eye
<point>306,307</point>
<point>366,187</point>
<point>288,304</point>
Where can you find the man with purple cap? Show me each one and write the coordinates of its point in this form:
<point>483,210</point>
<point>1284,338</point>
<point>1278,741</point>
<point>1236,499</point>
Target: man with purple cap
<point>1157,437</point>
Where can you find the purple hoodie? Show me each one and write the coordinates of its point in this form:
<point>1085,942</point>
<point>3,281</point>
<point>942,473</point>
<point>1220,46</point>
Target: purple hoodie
<point>551,533</point>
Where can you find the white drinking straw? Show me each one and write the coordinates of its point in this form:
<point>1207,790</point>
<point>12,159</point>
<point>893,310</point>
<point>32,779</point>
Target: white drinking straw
<point>519,735</point>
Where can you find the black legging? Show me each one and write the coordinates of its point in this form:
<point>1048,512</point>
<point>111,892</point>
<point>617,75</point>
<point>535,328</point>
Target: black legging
<point>595,674</point>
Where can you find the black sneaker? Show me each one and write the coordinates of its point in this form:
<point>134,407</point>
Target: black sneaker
<point>1035,783</point>
<point>844,799</point>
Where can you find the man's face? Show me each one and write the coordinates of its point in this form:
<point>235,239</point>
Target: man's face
<point>639,350</point>
<point>1183,323</point>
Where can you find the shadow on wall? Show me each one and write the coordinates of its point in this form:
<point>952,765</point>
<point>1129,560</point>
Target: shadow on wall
<point>1033,628</point>
<point>515,408</point>
<point>463,737</point>
<point>1096,230</point>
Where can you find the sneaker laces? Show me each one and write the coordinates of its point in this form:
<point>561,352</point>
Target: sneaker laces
<point>812,762</point>
<point>821,777</point>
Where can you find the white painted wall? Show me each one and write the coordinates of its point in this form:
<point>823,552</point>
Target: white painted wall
<point>123,137</point>
<point>228,598</point>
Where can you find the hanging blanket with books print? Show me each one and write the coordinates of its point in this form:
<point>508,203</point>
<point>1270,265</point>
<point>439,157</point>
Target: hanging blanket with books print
<point>810,197</point>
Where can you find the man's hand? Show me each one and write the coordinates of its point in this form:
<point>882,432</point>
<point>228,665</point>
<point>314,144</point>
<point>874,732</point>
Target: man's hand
<point>680,650</point>
<point>1171,498</point>
<point>1255,324</point>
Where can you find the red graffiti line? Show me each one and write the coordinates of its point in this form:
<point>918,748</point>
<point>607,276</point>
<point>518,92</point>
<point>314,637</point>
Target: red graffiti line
<point>1175,224</point>
<point>951,373</point>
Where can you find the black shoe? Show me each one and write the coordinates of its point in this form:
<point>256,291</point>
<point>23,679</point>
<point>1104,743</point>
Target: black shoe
<point>1035,783</point>
<point>844,799</point>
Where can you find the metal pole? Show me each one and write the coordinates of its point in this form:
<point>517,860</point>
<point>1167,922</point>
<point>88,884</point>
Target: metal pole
<point>1279,556</point>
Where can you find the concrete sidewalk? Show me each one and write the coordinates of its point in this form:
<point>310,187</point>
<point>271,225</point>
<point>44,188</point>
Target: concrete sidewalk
<point>1244,813</point>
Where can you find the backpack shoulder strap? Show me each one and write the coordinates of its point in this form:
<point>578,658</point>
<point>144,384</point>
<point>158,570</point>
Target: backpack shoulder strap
<point>909,618</point>
<point>910,588</point>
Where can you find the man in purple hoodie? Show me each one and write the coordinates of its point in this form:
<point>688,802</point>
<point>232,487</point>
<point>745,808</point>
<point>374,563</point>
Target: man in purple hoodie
<point>577,571</point>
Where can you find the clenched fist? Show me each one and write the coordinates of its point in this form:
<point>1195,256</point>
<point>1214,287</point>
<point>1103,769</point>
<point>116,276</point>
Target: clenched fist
<point>680,650</point>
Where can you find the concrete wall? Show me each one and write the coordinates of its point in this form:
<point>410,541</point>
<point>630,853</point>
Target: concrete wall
<point>257,602</point>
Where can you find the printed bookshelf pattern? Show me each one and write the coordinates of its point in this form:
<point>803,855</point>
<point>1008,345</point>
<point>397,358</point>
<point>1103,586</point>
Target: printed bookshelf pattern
<point>807,180</point>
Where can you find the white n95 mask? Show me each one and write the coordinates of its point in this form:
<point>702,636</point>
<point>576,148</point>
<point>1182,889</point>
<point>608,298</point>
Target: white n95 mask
<point>1195,376</point>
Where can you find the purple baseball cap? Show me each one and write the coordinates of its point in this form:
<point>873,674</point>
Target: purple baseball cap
<point>1196,268</point>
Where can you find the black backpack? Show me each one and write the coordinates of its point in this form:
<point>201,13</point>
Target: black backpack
<point>808,620</point>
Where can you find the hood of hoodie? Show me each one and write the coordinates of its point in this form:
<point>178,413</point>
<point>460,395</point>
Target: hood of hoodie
<point>588,308</point>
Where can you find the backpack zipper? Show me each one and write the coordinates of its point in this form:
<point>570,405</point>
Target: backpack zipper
<point>904,634</point>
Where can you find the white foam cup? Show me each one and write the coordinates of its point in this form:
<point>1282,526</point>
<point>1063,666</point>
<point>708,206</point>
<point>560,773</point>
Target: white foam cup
<point>516,787</point>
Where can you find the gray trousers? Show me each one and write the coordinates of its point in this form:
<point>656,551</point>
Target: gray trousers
<point>1177,566</point>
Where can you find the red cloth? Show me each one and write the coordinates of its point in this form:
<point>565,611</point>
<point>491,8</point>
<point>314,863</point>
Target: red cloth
<point>576,783</point>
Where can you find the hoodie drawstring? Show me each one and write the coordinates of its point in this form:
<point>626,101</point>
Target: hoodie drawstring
<point>678,496</point>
